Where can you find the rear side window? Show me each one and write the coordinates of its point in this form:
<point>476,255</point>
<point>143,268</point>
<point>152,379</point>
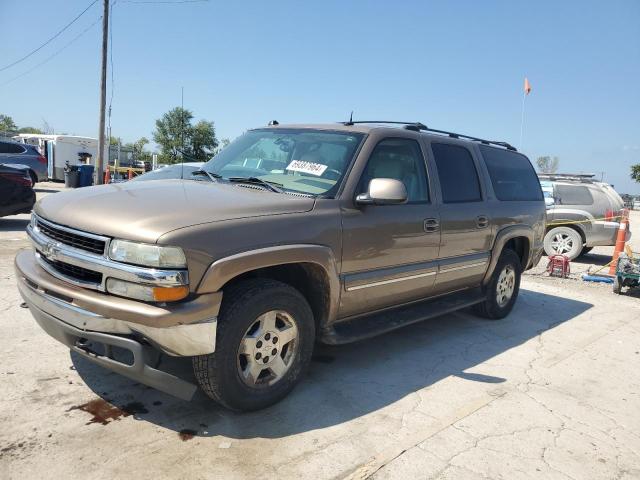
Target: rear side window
<point>512,176</point>
<point>457,173</point>
<point>573,195</point>
<point>11,148</point>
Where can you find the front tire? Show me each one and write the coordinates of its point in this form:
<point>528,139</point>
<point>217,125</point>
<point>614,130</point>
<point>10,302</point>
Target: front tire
<point>563,241</point>
<point>264,342</point>
<point>502,290</point>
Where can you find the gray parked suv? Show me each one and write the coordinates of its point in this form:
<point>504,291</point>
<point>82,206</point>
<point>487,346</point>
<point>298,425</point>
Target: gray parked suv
<point>291,235</point>
<point>24,154</point>
<point>582,213</point>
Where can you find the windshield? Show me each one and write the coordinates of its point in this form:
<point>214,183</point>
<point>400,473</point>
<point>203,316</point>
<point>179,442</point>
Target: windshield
<point>304,161</point>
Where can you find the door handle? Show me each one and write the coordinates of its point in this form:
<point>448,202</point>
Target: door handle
<point>482,221</point>
<point>431,225</point>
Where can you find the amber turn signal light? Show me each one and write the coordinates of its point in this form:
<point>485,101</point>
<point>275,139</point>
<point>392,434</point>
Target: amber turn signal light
<point>170,294</point>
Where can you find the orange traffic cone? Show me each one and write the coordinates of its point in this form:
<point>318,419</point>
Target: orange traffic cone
<point>107,176</point>
<point>130,174</point>
<point>620,241</point>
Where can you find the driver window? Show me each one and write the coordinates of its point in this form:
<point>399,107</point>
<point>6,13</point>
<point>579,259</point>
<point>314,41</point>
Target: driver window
<point>400,159</point>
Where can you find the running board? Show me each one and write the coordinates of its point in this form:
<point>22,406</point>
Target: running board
<point>362,327</point>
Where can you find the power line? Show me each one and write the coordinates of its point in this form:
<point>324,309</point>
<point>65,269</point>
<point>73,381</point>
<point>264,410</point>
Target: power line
<point>50,40</point>
<point>74,39</point>
<point>163,1</point>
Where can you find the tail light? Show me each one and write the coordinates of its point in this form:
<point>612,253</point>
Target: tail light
<point>42,159</point>
<point>19,179</point>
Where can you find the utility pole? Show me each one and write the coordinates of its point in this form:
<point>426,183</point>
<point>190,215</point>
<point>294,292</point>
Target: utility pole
<point>100,162</point>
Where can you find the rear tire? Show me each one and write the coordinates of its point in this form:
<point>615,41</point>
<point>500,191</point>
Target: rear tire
<point>563,241</point>
<point>585,250</point>
<point>502,290</point>
<point>34,178</point>
<point>258,317</point>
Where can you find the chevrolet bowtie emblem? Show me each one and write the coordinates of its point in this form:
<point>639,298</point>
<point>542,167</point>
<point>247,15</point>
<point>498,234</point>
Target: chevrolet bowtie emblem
<point>50,250</point>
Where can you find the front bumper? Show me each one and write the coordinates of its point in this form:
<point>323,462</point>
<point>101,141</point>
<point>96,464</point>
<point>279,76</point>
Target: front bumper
<point>181,329</point>
<point>75,316</point>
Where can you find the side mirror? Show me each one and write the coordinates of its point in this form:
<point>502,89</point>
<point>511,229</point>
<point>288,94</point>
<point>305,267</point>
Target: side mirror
<point>383,191</point>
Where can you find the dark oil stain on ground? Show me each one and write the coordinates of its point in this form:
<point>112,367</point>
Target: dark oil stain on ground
<point>323,358</point>
<point>103,412</point>
<point>157,403</point>
<point>186,434</point>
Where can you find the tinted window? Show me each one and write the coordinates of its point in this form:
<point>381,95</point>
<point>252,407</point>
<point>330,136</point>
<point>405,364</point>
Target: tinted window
<point>400,159</point>
<point>458,175</point>
<point>11,148</point>
<point>573,195</point>
<point>512,176</point>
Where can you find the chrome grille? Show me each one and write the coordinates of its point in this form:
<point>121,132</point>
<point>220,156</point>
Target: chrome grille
<point>73,271</point>
<point>72,239</point>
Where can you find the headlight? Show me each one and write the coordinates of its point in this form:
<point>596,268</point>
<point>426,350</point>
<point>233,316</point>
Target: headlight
<point>147,255</point>
<point>146,293</point>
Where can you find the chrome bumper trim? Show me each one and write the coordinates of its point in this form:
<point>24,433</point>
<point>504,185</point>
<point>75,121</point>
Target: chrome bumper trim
<point>55,250</point>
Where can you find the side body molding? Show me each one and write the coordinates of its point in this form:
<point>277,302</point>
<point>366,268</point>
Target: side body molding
<point>502,238</point>
<point>227,268</point>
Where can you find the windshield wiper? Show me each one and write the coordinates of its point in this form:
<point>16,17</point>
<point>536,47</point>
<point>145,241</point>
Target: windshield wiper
<point>273,186</point>
<point>212,176</point>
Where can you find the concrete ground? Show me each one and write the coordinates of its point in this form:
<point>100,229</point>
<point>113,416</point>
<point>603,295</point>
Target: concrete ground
<point>553,391</point>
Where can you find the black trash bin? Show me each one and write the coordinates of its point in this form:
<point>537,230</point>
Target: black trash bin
<point>71,176</point>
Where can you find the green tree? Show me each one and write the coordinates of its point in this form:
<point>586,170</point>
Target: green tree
<point>548,164</point>
<point>635,172</point>
<point>138,149</point>
<point>173,133</point>
<point>30,130</point>
<point>7,124</point>
<point>203,140</point>
<point>178,138</point>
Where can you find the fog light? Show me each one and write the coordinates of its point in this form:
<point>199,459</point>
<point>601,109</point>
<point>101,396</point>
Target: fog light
<point>145,292</point>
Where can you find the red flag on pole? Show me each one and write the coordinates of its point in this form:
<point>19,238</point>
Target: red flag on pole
<point>527,86</point>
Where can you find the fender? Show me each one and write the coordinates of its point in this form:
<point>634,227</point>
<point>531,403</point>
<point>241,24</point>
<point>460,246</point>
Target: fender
<point>225,269</point>
<point>502,238</point>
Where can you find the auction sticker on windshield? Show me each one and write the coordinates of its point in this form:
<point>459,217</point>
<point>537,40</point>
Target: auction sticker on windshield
<point>311,168</point>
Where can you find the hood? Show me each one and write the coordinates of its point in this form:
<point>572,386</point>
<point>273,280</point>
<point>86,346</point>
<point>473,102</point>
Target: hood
<point>144,211</point>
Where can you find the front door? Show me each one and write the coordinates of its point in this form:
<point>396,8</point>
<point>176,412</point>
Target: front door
<point>390,251</point>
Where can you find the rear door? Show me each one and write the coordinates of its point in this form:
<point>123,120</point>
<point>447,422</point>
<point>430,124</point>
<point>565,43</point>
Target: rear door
<point>465,219</point>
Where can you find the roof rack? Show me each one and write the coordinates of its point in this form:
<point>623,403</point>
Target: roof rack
<point>576,177</point>
<point>417,127</point>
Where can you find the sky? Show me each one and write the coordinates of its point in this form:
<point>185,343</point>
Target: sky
<point>452,65</point>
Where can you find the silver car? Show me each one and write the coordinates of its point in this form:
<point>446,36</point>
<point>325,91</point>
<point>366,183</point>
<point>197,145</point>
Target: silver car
<point>24,154</point>
<point>581,213</point>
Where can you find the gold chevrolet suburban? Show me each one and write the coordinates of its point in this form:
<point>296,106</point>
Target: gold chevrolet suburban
<point>291,235</point>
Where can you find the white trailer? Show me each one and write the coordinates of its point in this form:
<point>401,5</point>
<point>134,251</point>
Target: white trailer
<point>59,149</point>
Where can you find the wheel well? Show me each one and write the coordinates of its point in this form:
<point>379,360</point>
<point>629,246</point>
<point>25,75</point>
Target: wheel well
<point>520,245</point>
<point>309,279</point>
<point>572,227</point>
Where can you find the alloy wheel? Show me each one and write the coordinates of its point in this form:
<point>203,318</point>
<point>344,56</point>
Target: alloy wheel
<point>268,349</point>
<point>505,286</point>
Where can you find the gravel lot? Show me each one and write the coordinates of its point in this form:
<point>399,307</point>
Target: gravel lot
<point>553,391</point>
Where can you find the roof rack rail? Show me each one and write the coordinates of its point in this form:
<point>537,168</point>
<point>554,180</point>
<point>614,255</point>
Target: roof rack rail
<point>417,126</point>
<point>578,177</point>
